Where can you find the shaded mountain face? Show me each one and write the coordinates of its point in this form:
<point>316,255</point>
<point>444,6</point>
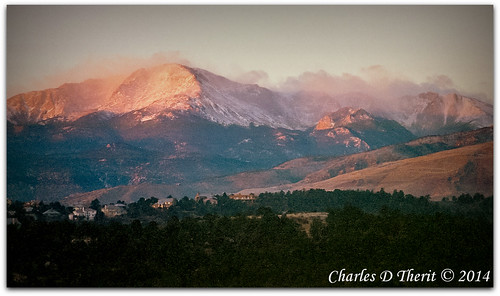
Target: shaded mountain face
<point>303,172</point>
<point>102,150</point>
<point>98,151</point>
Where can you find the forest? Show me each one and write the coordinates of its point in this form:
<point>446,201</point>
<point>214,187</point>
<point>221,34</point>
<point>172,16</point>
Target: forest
<point>257,244</point>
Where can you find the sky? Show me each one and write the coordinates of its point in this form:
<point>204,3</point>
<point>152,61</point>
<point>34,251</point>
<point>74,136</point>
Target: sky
<point>388,50</point>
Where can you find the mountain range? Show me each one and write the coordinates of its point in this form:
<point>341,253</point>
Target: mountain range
<point>172,87</point>
<point>457,177</point>
<point>173,126</point>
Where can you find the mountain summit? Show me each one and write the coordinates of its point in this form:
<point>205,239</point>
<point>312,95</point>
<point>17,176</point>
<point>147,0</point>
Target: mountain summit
<point>355,127</point>
<point>343,117</point>
<point>169,87</point>
<point>432,113</point>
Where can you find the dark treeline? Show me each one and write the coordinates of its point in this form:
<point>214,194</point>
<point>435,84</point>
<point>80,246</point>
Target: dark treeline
<point>316,200</point>
<point>313,200</point>
<point>263,249</point>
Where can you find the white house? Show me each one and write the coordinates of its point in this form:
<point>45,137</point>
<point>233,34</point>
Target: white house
<point>165,203</point>
<point>114,210</point>
<point>83,213</point>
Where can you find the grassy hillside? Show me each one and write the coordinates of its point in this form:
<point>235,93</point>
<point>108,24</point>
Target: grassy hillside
<point>446,173</point>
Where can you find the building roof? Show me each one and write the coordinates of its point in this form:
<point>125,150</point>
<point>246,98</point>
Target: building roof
<point>51,212</point>
<point>84,210</point>
<point>165,200</point>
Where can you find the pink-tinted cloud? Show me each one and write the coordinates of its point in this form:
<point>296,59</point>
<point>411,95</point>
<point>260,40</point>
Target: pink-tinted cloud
<point>441,81</point>
<point>323,82</point>
<point>99,67</point>
<point>253,77</point>
<point>118,65</point>
<point>376,81</point>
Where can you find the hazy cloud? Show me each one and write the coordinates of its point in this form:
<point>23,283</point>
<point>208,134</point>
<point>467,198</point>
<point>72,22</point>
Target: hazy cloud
<point>376,81</point>
<point>441,81</point>
<point>99,67</point>
<point>118,65</point>
<point>379,75</point>
<point>253,77</point>
<point>324,82</point>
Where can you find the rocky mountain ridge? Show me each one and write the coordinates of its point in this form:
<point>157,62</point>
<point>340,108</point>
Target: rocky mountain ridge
<point>174,87</point>
<point>160,89</point>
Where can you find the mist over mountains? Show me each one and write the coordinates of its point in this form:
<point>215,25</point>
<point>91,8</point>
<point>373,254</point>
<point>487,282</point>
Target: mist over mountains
<point>172,124</point>
<point>174,87</point>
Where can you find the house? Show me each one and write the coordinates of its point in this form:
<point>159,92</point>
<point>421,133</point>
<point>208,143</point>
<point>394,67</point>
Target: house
<point>29,206</point>
<point>165,203</point>
<point>211,200</point>
<point>199,197</point>
<point>244,197</point>
<point>13,221</point>
<point>83,213</point>
<point>113,210</point>
<point>52,214</point>
<point>32,203</point>
<point>205,199</point>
